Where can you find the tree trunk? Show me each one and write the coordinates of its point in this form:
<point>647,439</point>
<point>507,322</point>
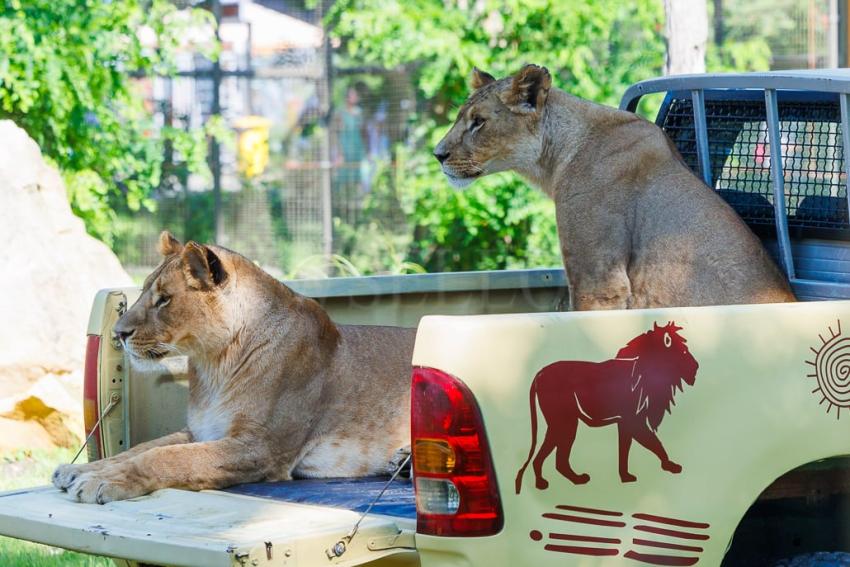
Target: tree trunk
<point>719,28</point>
<point>686,29</point>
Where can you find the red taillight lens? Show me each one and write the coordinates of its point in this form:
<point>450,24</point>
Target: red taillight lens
<point>91,403</point>
<point>456,490</point>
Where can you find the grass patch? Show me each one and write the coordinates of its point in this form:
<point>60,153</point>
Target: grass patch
<point>22,469</point>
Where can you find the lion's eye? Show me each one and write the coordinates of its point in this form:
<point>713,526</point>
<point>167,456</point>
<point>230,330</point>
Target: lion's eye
<point>476,123</point>
<point>162,301</point>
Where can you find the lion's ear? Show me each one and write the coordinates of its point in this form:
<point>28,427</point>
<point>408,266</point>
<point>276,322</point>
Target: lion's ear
<point>529,90</point>
<point>202,267</point>
<point>480,78</point>
<point>168,245</point>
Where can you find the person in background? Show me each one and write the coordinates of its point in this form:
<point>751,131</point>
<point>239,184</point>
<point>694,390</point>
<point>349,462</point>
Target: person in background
<point>350,155</point>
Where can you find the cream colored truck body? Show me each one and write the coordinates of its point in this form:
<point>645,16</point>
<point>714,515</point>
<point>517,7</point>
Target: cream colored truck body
<point>754,413</point>
<point>750,417</point>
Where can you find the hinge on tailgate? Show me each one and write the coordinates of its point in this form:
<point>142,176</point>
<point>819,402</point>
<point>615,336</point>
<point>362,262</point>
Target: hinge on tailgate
<point>403,539</point>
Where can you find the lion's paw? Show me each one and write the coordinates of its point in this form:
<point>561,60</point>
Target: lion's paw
<point>95,488</point>
<point>627,477</point>
<point>672,467</point>
<point>580,478</point>
<point>65,475</point>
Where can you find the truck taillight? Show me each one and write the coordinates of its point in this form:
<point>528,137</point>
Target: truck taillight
<point>91,403</point>
<point>456,491</point>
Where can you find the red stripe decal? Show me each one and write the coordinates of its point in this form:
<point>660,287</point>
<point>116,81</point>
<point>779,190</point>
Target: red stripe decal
<point>671,533</point>
<point>597,551</point>
<point>581,520</point>
<point>588,510</point>
<point>670,521</point>
<point>664,545</point>
<point>661,559</point>
<point>590,539</point>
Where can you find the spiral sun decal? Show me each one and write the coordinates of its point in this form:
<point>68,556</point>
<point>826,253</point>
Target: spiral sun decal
<point>831,369</point>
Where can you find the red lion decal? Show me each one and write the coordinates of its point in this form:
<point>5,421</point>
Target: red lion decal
<point>633,390</point>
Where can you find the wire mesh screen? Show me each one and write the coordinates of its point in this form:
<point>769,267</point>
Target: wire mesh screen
<point>309,180</point>
<point>739,153</point>
<point>307,147</point>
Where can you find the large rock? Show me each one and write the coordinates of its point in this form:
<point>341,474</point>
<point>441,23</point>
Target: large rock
<point>49,409</point>
<point>51,270</point>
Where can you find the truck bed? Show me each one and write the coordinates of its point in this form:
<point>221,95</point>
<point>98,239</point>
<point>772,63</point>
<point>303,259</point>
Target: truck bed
<point>254,524</point>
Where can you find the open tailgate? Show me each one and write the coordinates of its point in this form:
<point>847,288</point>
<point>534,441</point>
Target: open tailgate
<point>203,529</point>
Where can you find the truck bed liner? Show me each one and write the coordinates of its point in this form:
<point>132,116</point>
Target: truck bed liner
<point>353,494</point>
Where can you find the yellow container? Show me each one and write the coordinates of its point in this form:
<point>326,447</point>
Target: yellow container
<point>253,145</point>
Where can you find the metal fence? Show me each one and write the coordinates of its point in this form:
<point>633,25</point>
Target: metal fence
<point>739,154</point>
<point>310,139</point>
<point>307,142</point>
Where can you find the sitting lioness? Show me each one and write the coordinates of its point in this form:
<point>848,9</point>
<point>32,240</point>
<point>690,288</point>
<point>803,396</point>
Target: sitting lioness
<point>636,227</point>
<point>276,391</point>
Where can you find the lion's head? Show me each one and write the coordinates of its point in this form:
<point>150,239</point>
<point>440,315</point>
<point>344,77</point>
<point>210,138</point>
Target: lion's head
<point>203,300</point>
<point>663,363</point>
<point>180,305</point>
<point>497,128</point>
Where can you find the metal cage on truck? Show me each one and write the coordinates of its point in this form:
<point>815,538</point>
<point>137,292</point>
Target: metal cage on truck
<point>725,125</point>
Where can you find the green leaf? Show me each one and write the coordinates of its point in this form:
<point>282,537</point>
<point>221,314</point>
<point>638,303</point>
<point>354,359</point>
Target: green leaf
<point>65,78</point>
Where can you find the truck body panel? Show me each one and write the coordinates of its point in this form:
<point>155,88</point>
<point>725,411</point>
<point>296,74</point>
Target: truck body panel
<point>757,409</point>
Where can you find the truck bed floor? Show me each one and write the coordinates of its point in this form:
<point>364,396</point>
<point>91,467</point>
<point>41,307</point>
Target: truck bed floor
<point>349,493</point>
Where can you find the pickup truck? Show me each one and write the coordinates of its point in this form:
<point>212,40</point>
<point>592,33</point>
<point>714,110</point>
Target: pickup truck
<point>521,452</point>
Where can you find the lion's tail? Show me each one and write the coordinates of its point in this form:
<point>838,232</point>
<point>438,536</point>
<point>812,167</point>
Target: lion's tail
<point>532,403</point>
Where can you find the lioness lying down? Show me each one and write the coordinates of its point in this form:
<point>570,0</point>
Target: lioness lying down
<point>637,228</point>
<point>277,389</point>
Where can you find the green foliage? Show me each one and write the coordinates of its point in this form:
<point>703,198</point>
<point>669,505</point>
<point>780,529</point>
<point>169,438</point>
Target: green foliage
<point>752,54</point>
<point>745,20</point>
<point>593,48</point>
<point>380,242</point>
<point>749,38</point>
<point>186,214</point>
<point>497,223</point>
<point>66,77</point>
